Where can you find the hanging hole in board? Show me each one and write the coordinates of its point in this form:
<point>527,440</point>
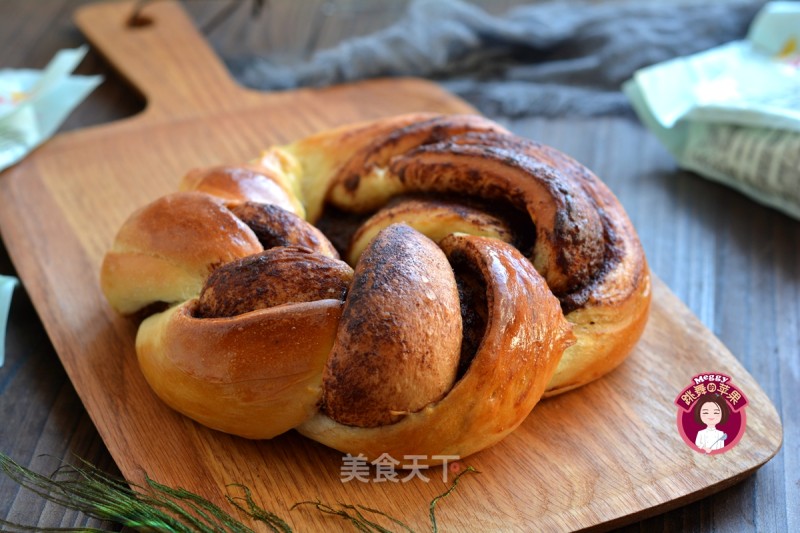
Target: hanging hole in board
<point>137,19</point>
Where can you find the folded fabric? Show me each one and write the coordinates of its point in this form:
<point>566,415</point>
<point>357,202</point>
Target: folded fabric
<point>7,284</point>
<point>545,59</point>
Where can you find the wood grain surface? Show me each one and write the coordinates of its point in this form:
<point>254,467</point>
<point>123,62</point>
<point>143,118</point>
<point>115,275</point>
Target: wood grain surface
<point>711,260</point>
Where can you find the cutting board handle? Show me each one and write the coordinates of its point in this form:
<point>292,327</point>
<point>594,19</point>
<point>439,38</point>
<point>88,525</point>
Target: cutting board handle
<point>163,56</point>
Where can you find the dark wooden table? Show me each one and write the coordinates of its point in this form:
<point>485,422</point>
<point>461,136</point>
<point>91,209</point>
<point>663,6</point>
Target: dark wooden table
<point>734,262</point>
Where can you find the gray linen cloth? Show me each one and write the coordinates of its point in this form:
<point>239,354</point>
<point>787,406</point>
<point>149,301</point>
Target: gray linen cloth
<point>559,59</point>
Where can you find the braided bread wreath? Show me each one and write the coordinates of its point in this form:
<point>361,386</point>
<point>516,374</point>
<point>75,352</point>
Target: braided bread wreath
<point>482,271</point>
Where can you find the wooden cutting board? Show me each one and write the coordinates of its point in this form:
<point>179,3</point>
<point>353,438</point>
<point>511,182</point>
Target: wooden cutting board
<point>604,455</point>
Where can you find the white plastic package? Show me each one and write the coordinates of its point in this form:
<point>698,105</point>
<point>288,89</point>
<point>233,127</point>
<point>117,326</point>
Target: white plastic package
<point>732,113</point>
<point>34,103</point>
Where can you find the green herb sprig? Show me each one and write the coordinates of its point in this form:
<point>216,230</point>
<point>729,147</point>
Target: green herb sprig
<point>157,507</point>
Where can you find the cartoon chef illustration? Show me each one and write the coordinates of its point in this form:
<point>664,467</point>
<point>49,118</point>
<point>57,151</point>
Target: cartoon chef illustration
<point>710,411</point>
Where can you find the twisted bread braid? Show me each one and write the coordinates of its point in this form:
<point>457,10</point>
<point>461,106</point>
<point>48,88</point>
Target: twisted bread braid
<point>485,270</point>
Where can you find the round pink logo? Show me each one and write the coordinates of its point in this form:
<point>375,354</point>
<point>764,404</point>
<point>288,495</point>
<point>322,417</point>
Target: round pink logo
<point>711,413</point>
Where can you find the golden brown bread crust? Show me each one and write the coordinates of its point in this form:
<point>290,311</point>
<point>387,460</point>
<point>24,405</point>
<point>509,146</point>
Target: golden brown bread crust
<point>399,341</point>
<point>335,154</point>
<point>311,162</point>
<point>569,233</point>
<point>261,182</point>
<point>379,153</point>
<point>165,251</point>
<point>269,279</point>
<point>252,375</point>
<point>466,361</point>
<point>435,219</point>
<point>525,335</point>
<point>585,246</point>
<point>274,226</point>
